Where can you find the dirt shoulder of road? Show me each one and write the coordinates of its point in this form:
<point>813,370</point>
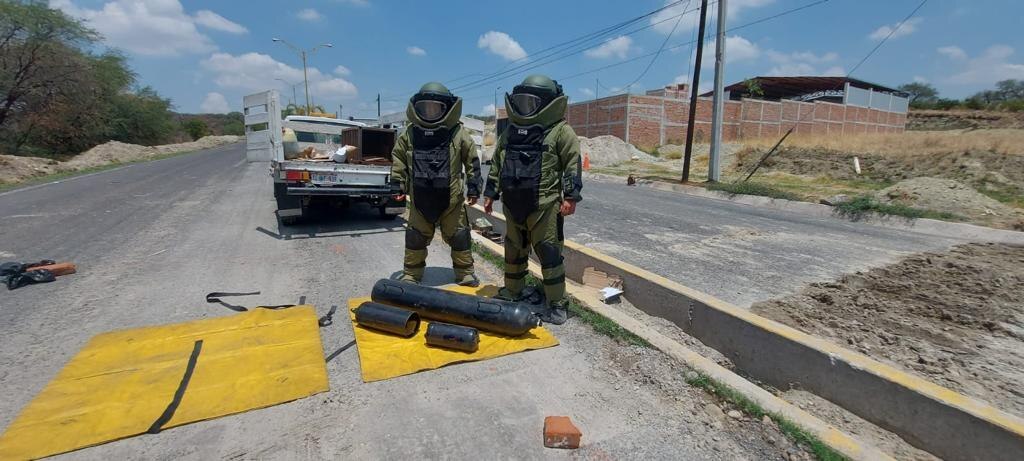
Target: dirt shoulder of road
<point>974,176</point>
<point>17,169</point>
<point>955,318</point>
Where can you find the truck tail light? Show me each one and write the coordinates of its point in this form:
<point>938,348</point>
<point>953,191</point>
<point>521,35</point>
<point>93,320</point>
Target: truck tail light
<point>295,175</point>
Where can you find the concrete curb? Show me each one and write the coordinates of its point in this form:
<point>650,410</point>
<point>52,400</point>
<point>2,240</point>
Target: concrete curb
<point>938,420</point>
<point>922,225</point>
<point>828,434</point>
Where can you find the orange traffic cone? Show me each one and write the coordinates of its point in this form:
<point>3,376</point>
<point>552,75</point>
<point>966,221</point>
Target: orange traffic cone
<point>586,161</point>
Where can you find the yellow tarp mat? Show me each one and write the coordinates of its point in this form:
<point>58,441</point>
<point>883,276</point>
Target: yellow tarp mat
<point>385,356</point>
<point>123,381</point>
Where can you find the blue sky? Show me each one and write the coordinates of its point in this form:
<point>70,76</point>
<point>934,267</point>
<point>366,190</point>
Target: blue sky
<point>206,55</point>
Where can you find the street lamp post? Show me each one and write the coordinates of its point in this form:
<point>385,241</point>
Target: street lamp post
<point>305,73</point>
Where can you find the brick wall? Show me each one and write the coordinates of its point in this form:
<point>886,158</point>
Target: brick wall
<point>660,117</point>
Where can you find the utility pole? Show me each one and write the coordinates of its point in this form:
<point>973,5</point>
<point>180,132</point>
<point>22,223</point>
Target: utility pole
<point>496,112</point>
<point>693,92</point>
<point>305,72</point>
<point>715,154</point>
<point>597,88</point>
<point>340,107</point>
<point>378,107</point>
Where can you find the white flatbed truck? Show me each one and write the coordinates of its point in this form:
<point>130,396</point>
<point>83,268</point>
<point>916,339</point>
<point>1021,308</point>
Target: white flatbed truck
<point>365,177</point>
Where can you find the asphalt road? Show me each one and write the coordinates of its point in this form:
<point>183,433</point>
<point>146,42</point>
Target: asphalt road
<point>735,252</point>
<point>151,239</point>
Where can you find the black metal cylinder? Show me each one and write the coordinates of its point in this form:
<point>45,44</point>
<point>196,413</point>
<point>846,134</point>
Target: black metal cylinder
<point>487,314</point>
<point>391,319</point>
<point>453,336</point>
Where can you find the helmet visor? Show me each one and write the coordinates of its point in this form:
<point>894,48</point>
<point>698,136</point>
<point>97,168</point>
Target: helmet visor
<point>430,111</point>
<point>525,104</point>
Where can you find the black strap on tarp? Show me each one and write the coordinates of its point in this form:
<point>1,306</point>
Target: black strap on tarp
<point>328,318</point>
<point>180,392</point>
<point>216,295</point>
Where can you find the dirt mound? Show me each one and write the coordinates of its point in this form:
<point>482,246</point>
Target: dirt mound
<point>937,120</point>
<point>608,150</point>
<point>14,169</point>
<point>111,152</point>
<point>990,171</point>
<point>954,317</point>
<point>949,196</point>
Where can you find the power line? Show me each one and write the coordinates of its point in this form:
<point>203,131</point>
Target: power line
<point>679,45</point>
<point>658,53</point>
<point>891,32</point>
<point>672,47</point>
<point>800,119</point>
<point>555,49</point>
<point>566,52</point>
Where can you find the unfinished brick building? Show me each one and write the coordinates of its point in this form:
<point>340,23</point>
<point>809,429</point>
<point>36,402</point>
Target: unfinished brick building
<point>833,106</point>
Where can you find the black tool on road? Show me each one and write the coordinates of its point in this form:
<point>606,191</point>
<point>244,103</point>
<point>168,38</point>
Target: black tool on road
<point>451,336</point>
<point>15,275</point>
<point>487,314</point>
<point>387,318</point>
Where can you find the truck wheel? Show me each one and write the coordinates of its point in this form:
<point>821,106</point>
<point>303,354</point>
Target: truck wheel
<point>384,213</point>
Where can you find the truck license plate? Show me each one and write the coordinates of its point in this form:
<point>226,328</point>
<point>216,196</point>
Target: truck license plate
<point>329,178</point>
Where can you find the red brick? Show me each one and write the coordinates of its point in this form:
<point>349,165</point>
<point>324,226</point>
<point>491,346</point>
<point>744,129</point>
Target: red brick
<point>559,432</point>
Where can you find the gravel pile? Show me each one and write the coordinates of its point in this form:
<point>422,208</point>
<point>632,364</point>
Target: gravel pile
<point>608,150</point>
<point>14,169</point>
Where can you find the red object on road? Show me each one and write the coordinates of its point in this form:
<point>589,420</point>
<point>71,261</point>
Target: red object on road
<point>57,268</point>
<point>560,432</point>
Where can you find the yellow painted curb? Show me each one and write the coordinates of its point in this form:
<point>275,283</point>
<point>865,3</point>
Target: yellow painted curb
<point>826,433</point>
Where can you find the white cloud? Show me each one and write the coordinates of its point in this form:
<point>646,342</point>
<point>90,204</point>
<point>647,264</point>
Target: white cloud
<point>502,45</point>
<point>487,110</point>
<point>908,27</point>
<point>802,63</point>
<point>416,51</point>
<point>309,15</point>
<point>342,71</point>
<point>834,71</point>
<point>736,49</point>
<point>953,52</point>
<point>992,66</point>
<point>214,103</point>
<point>257,71</point>
<point>151,27</point>
<point>920,79</point>
<point>618,47</point>
<point>211,20</point>
<point>664,20</point>
<point>587,91</point>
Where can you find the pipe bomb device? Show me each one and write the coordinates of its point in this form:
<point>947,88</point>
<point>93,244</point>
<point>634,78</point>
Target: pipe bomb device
<point>488,314</point>
<point>453,336</point>
<point>387,318</point>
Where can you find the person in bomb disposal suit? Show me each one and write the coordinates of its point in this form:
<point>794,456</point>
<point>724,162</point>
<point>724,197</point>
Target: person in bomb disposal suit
<point>537,175</point>
<point>431,159</point>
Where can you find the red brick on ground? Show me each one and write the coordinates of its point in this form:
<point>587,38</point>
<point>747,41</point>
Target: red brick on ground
<point>560,432</point>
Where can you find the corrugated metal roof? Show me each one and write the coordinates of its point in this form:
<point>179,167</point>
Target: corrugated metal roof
<point>789,87</point>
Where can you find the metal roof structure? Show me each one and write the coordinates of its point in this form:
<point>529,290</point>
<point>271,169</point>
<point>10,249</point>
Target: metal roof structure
<point>775,88</point>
